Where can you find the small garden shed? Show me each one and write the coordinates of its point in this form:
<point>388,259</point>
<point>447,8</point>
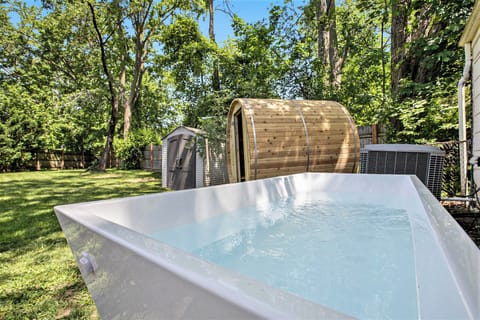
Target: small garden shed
<point>269,137</point>
<point>188,162</point>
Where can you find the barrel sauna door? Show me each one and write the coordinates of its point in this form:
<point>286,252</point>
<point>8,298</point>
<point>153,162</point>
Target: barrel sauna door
<point>181,162</point>
<point>239,147</point>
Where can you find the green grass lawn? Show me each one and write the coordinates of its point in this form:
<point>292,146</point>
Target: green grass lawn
<point>38,275</point>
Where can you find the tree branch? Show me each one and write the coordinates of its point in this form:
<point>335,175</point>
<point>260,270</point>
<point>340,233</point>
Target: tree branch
<point>147,12</point>
<point>103,55</point>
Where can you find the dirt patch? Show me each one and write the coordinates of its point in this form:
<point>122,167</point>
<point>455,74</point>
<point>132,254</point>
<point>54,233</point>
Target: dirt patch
<point>64,313</point>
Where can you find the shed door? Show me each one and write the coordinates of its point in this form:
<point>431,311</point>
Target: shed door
<point>181,162</point>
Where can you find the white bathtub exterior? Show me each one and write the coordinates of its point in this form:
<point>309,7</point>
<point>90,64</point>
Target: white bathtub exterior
<point>137,277</point>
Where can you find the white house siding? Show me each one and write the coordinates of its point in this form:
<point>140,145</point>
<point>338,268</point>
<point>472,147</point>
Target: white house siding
<point>476,102</point>
<point>164,162</point>
<point>471,40</point>
<point>199,170</point>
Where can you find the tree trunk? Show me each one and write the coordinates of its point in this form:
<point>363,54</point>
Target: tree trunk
<point>323,36</point>
<point>406,62</point>
<point>123,95</point>
<point>102,165</point>
<point>333,43</point>
<point>138,71</point>
<point>328,51</point>
<point>398,42</point>
<point>425,28</point>
<point>382,48</point>
<point>211,33</point>
<point>139,20</point>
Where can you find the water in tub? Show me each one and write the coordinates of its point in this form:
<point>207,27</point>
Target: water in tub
<point>352,256</point>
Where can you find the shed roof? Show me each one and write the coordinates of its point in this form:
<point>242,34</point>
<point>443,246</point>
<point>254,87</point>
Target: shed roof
<point>472,26</point>
<point>195,131</point>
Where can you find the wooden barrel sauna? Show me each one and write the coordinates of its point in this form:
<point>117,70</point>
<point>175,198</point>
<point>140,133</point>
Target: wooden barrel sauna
<point>269,137</point>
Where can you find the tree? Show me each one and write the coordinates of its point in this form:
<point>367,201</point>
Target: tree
<point>400,15</point>
<point>44,71</point>
<point>211,34</point>
<point>147,20</point>
<point>426,62</point>
<point>248,62</point>
<point>113,95</point>
<point>51,63</point>
<point>328,50</point>
<point>187,59</point>
<point>144,21</point>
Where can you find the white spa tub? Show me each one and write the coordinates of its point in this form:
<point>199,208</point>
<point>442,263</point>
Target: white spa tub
<point>131,274</point>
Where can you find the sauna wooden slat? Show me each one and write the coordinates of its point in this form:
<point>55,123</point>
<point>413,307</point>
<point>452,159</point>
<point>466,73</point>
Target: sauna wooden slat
<point>279,151</point>
<point>301,160</point>
<point>271,172</point>
<point>297,118</point>
<point>265,173</point>
<point>319,134</point>
<point>299,126</point>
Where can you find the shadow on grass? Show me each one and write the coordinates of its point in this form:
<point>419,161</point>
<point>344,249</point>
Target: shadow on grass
<point>38,276</point>
<point>26,203</point>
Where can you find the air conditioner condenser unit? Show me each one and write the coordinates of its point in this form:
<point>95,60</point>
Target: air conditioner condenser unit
<point>426,162</point>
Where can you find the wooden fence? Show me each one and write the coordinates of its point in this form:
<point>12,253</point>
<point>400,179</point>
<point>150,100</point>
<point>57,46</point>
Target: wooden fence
<point>451,166</point>
<point>153,158</point>
<point>59,159</point>
<point>373,134</point>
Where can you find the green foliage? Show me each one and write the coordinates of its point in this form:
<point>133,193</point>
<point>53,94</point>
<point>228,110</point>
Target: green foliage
<point>53,92</point>
<point>157,109</point>
<point>295,49</point>
<point>248,66</point>
<point>215,107</point>
<point>185,49</point>
<point>424,108</point>
<point>431,118</point>
<point>130,151</point>
<point>437,52</point>
<point>49,95</point>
